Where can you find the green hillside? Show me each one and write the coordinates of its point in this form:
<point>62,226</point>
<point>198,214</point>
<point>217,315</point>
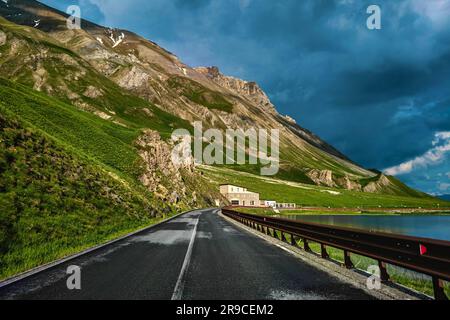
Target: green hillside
<point>308,195</point>
<point>55,202</point>
<point>68,180</point>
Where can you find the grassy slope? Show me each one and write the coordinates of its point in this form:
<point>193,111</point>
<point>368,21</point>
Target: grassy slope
<point>307,195</point>
<point>68,180</point>
<point>55,202</point>
<point>62,65</point>
<point>107,142</point>
<point>60,214</point>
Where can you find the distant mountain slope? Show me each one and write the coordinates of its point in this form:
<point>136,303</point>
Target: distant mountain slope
<point>128,80</point>
<point>318,196</point>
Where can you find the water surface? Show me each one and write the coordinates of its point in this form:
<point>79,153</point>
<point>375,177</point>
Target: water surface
<point>429,226</point>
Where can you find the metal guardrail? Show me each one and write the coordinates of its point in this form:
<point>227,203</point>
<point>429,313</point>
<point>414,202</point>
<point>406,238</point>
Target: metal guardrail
<point>427,256</point>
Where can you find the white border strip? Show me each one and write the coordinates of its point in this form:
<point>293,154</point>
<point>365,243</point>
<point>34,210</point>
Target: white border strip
<point>178,291</point>
<point>47,266</point>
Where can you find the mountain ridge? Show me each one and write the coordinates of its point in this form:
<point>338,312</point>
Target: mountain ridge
<point>101,60</point>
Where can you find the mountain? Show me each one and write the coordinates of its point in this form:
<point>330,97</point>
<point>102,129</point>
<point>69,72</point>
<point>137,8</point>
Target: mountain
<point>128,80</point>
<point>445,197</point>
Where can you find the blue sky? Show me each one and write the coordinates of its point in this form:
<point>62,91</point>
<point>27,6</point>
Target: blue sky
<point>380,96</point>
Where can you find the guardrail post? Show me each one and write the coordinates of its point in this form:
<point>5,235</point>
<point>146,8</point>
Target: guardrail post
<point>438,288</point>
<point>293,242</point>
<point>283,238</point>
<point>347,260</point>
<point>306,246</point>
<point>324,252</point>
<point>384,275</point>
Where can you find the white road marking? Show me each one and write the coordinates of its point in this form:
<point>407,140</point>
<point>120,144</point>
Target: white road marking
<point>178,292</point>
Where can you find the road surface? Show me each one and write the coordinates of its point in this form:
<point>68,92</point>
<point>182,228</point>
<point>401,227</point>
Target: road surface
<point>198,255</point>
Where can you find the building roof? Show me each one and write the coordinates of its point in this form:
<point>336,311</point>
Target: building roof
<point>245,190</point>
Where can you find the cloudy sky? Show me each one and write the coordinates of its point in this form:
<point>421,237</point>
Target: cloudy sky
<point>380,96</point>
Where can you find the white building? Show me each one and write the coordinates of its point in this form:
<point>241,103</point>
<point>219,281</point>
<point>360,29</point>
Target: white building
<point>268,203</point>
<point>286,206</point>
<point>239,196</point>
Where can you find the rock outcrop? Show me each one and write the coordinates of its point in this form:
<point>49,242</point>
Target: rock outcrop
<point>161,175</point>
<point>322,177</point>
<point>248,89</point>
<point>179,184</point>
<point>378,186</point>
<point>346,183</point>
<point>2,38</point>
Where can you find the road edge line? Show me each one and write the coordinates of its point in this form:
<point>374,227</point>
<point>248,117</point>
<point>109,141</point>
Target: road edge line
<point>47,266</point>
<point>179,286</point>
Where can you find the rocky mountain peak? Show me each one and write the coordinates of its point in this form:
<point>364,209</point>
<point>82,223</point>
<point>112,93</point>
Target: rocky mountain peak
<point>249,89</point>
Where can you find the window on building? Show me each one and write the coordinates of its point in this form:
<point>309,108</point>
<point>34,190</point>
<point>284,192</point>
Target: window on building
<point>235,202</point>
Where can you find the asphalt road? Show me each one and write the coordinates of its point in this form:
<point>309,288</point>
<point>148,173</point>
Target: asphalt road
<point>198,255</point>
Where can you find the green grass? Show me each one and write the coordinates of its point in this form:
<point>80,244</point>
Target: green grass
<point>68,76</point>
<point>69,179</point>
<point>107,142</point>
<point>56,203</point>
<point>308,195</point>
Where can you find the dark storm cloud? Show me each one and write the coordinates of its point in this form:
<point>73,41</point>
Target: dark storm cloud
<point>379,96</point>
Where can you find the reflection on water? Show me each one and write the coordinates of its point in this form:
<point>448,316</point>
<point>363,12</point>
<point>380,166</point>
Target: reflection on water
<point>435,226</point>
